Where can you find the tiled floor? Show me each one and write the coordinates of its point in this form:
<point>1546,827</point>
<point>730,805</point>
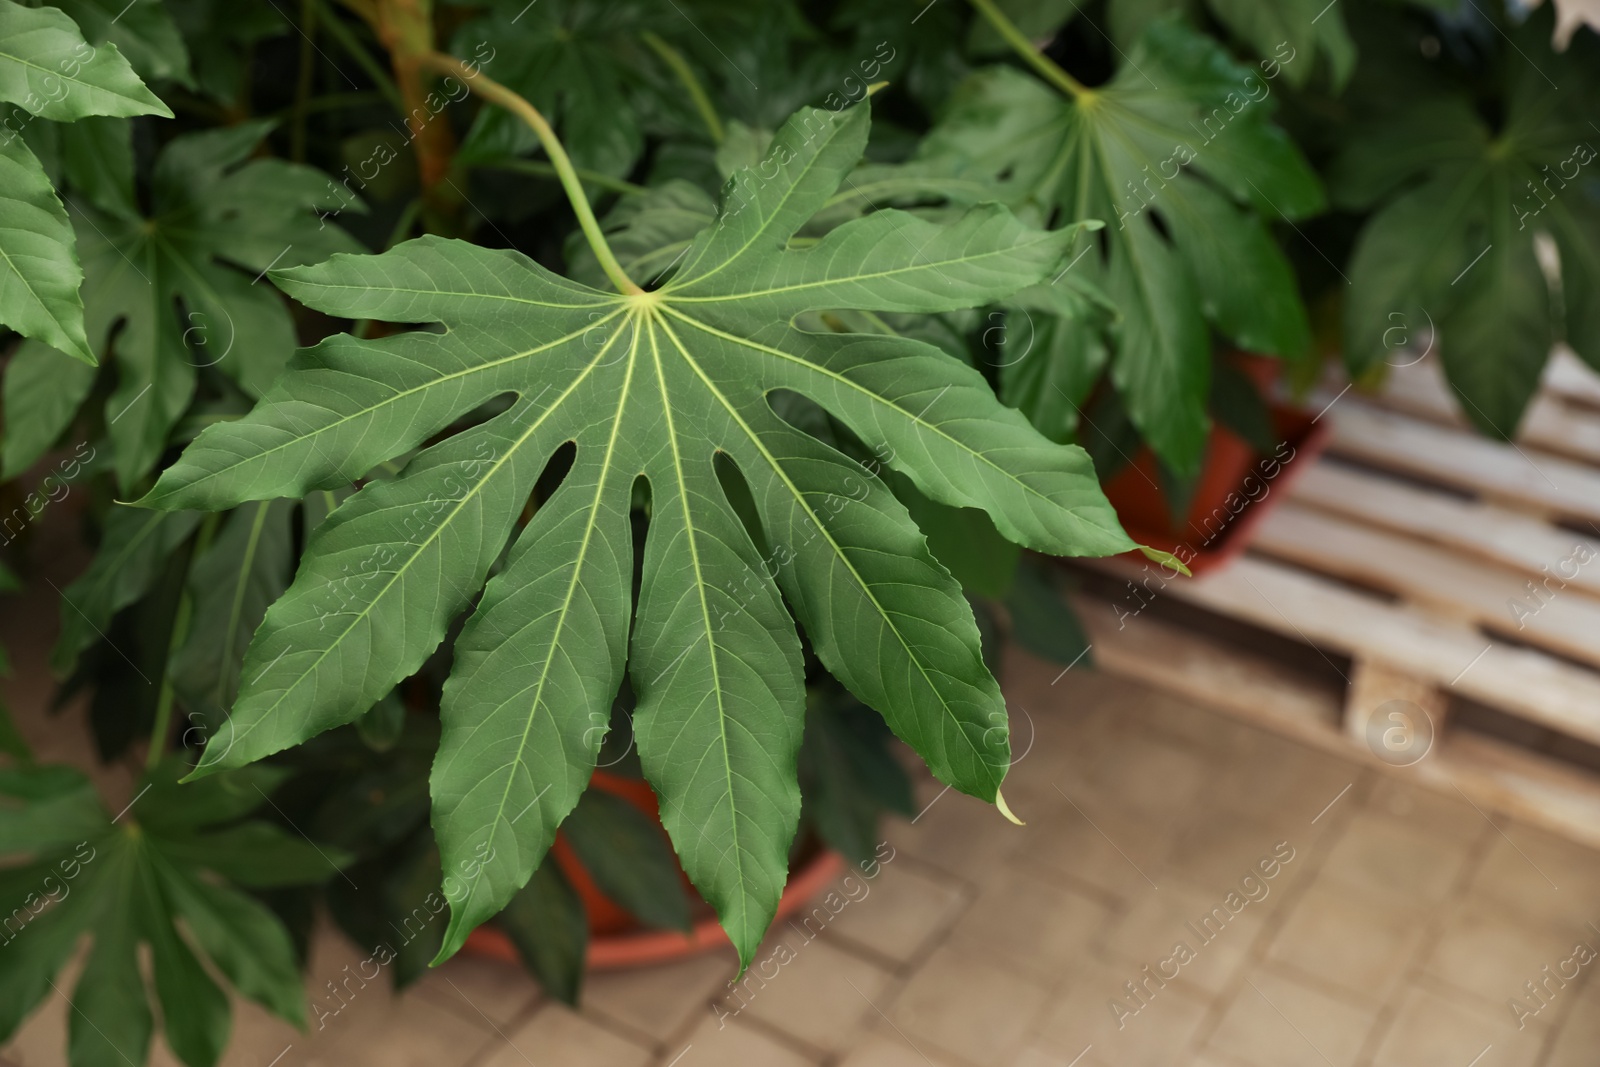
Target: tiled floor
<point>1187,891</point>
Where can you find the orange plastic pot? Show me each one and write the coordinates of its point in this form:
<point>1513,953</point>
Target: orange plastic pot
<point>616,939</point>
<point>1236,489</point>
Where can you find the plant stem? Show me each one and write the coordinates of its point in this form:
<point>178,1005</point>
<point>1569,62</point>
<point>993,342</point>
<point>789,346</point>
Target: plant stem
<point>180,631</point>
<point>303,82</point>
<point>496,93</point>
<point>402,225</point>
<point>1036,59</point>
<point>674,59</point>
<point>358,52</point>
<point>545,170</point>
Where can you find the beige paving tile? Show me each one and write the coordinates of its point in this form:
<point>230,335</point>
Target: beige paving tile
<point>1440,815</point>
<point>973,1008</point>
<point>816,992</point>
<point>1488,950</point>
<point>1107,849</point>
<point>958,834</point>
<point>1356,939</point>
<point>1158,922</point>
<point>660,1001</point>
<point>723,1043</point>
<point>468,985</point>
<point>1096,1017</point>
<point>885,1047</point>
<point>1432,1031</point>
<point>1396,858</point>
<point>1278,782</point>
<point>558,1035</point>
<point>1281,1022</point>
<point>413,1032</point>
<point>1216,849</point>
<point>1538,873</point>
<point>1032,923</point>
<point>1577,1040</point>
<point>906,908</point>
<point>1142,775</point>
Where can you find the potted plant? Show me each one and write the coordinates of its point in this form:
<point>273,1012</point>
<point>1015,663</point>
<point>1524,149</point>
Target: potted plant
<point>656,451</point>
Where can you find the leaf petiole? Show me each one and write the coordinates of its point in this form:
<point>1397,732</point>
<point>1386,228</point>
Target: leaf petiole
<point>674,59</point>
<point>513,102</point>
<point>1036,59</point>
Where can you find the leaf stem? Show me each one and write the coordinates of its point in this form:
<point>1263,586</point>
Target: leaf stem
<point>674,59</point>
<point>496,93</point>
<point>543,169</point>
<point>180,631</point>
<point>1036,59</point>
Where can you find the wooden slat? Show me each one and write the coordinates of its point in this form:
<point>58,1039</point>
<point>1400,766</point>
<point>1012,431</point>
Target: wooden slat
<point>1551,424</point>
<point>1464,460</point>
<point>1473,527</point>
<point>1568,376</point>
<point>1496,776</point>
<point>1284,599</point>
<point>1567,621</point>
<point>1251,687</point>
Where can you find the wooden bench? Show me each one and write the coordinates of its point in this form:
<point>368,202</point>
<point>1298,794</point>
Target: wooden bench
<point>1425,564</point>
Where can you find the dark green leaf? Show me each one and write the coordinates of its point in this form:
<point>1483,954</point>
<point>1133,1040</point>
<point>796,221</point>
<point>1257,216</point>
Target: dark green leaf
<point>629,858</point>
<point>545,920</point>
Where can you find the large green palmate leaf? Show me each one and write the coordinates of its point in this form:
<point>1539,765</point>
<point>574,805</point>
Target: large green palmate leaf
<point>145,877</point>
<point>1452,242</point>
<point>651,386</point>
<point>1200,155</point>
<point>184,289</point>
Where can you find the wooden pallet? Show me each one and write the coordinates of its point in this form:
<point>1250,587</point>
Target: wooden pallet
<point>1401,553</point>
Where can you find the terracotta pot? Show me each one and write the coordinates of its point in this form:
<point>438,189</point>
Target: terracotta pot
<point>616,939</point>
<point>1236,488</point>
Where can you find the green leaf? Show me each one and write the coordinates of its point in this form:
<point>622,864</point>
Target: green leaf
<point>136,881</point>
<point>1056,341</point>
<point>43,809</point>
<point>1289,34</point>
<point>1451,243</point>
<point>383,723</point>
<point>963,540</point>
<point>49,70</point>
<point>183,289</point>
<point>652,386</point>
<point>1041,620</point>
<point>578,62</point>
<point>245,940</point>
<point>628,858</point>
<point>545,920</point>
<point>43,391</point>
<point>193,1009</point>
<point>97,159</point>
<point>243,571</point>
<point>1185,176</point>
<point>258,854</point>
<point>143,32</point>
<point>39,272</point>
<point>848,774</point>
<point>134,549</point>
